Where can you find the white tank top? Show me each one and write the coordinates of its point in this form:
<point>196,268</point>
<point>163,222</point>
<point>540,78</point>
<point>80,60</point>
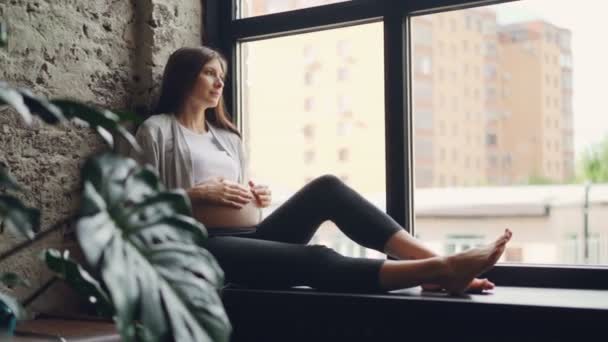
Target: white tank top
<point>208,158</point>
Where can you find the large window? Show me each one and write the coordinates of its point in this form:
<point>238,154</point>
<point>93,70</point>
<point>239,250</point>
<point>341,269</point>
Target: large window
<point>348,116</point>
<point>531,176</point>
<point>477,118</point>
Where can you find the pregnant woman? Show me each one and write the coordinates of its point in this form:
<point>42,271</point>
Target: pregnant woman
<point>193,145</point>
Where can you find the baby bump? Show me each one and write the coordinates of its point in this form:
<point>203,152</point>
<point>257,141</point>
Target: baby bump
<point>224,216</point>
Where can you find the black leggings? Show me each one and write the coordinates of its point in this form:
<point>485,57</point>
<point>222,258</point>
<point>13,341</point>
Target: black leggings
<point>275,254</point>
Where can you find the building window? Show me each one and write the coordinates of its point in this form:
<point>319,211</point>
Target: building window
<point>343,74</point>
<point>309,103</point>
<point>514,254</point>
<point>343,154</point>
<point>344,48</point>
<point>423,65</point>
<point>309,156</point>
<point>423,91</point>
<point>344,128</point>
<point>309,76</point>
<point>491,139</point>
<point>424,148</point>
<point>310,55</point>
<point>441,74</point>
<point>441,48</point>
<point>424,177</point>
<point>490,49</point>
<point>455,129</point>
<point>344,104</point>
<point>308,131</point>
<point>423,119</point>
<point>492,161</point>
<point>465,45</point>
<point>423,35</point>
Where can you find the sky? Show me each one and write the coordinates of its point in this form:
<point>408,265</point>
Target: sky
<point>584,18</point>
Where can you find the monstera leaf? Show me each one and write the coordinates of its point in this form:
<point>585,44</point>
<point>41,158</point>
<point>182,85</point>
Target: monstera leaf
<point>3,35</point>
<point>11,280</point>
<point>6,180</point>
<point>79,280</point>
<point>103,121</point>
<point>26,104</point>
<point>10,309</point>
<point>18,218</point>
<point>10,312</point>
<point>146,247</point>
<point>14,215</point>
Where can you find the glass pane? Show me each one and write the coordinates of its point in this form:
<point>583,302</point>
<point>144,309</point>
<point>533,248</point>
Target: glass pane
<point>509,130</point>
<point>320,110</point>
<point>252,8</point>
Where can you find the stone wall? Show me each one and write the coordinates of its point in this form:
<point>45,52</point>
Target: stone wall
<point>105,52</point>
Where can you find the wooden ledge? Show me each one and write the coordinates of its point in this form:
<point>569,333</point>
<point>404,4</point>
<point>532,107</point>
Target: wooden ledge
<point>516,313</point>
<point>68,330</point>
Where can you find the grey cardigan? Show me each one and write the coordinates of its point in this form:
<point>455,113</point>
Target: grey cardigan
<point>165,149</point>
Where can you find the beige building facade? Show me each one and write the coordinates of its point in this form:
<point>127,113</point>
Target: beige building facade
<point>492,104</point>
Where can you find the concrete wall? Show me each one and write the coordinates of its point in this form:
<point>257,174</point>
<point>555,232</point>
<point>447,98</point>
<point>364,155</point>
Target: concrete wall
<point>106,52</point>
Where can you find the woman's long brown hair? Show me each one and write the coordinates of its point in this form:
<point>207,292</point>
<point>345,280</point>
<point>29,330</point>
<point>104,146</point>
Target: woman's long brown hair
<point>179,77</point>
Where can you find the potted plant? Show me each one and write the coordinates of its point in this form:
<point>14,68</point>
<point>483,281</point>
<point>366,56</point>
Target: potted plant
<point>149,270</point>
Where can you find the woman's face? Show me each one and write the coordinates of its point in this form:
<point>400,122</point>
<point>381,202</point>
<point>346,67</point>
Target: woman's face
<point>209,84</point>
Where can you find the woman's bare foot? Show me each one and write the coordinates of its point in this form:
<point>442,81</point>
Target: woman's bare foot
<point>464,267</point>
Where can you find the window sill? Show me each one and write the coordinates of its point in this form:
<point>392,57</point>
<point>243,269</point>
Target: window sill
<point>512,312</point>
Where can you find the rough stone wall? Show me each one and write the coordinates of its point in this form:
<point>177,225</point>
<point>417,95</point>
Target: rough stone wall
<point>168,25</point>
<point>105,52</point>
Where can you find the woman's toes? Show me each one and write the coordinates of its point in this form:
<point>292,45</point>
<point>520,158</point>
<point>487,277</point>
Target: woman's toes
<point>480,285</point>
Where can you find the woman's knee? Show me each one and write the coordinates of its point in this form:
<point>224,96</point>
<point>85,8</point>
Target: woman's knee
<point>327,181</point>
<point>322,255</point>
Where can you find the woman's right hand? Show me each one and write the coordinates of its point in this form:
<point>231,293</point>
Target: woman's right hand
<point>220,191</point>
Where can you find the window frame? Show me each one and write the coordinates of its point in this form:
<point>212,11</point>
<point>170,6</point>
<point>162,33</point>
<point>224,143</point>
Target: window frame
<point>222,30</point>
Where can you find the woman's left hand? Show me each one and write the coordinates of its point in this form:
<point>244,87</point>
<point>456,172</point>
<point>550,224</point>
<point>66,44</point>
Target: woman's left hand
<point>262,194</point>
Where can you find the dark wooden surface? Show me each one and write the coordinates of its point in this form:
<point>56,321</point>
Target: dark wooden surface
<point>504,314</point>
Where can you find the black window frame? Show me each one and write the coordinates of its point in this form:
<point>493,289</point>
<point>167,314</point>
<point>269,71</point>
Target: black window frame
<point>222,30</point>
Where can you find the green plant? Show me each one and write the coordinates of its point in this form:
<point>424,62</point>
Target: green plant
<point>10,310</point>
<point>14,215</point>
<point>593,165</point>
<point>149,269</point>
<point>539,180</point>
<point>146,246</point>
<point>23,221</point>
<point>3,35</point>
<point>79,279</point>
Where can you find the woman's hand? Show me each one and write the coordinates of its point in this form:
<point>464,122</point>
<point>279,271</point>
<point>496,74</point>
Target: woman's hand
<point>262,194</point>
<point>223,192</point>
